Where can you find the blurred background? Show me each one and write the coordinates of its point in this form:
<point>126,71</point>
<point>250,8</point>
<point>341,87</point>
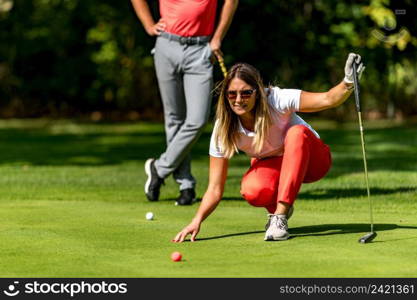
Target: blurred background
<point>92,59</point>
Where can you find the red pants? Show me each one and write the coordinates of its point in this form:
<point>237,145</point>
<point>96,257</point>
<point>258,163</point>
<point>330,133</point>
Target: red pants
<point>278,179</point>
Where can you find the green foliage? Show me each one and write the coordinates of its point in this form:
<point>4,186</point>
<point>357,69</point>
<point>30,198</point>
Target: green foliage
<point>65,57</point>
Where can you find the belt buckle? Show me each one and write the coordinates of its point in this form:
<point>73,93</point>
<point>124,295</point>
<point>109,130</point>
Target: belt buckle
<point>183,40</point>
<point>193,40</point>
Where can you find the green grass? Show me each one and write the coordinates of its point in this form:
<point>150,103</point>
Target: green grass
<point>72,205</point>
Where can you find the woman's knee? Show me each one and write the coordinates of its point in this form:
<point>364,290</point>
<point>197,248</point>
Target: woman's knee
<point>260,184</point>
<point>256,194</point>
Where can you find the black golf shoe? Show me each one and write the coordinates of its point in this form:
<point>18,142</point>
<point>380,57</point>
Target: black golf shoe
<point>186,197</point>
<point>154,182</point>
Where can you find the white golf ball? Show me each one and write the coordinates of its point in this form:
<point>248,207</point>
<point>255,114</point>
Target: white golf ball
<point>149,216</point>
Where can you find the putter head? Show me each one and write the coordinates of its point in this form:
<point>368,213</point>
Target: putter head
<point>367,238</point>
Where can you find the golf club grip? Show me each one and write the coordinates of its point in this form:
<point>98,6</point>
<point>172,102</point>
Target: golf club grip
<point>223,67</point>
<point>356,86</point>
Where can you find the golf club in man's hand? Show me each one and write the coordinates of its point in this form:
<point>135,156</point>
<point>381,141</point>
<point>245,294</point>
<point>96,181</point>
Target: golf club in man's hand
<point>222,66</point>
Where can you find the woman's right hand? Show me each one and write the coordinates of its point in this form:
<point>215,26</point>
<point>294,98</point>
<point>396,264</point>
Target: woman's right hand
<point>213,195</point>
<point>193,228</point>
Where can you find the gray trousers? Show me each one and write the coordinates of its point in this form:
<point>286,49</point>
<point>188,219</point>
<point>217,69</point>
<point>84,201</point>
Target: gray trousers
<point>185,79</point>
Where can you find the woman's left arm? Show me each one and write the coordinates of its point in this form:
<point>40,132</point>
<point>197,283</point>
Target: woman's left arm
<point>312,102</point>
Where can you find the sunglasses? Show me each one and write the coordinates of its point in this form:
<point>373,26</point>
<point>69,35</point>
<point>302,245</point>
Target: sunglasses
<point>244,94</point>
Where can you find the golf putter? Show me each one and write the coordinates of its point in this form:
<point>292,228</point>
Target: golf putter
<point>222,67</point>
<point>367,238</point>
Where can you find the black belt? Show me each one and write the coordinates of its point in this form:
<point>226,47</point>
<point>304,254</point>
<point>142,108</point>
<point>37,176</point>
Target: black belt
<point>186,40</point>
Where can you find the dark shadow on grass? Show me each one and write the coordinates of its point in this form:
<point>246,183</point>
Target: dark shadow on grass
<point>199,199</point>
<point>175,199</point>
<point>108,144</point>
<point>229,235</point>
<point>322,230</point>
<point>332,229</point>
<point>321,194</point>
<point>39,146</point>
<point>233,199</point>
<point>345,145</point>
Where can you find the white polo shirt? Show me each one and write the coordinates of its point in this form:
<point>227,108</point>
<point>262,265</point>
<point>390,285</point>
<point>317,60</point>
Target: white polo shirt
<point>284,103</point>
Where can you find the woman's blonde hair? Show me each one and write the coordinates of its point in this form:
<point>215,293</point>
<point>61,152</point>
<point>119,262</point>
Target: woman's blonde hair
<point>227,121</point>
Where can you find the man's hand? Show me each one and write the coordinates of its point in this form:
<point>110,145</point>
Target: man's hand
<point>215,49</point>
<point>353,58</point>
<point>193,228</point>
<point>157,28</point>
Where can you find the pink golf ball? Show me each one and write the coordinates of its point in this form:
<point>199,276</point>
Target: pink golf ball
<point>176,256</point>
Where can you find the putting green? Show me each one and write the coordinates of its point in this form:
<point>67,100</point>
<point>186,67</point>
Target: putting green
<point>73,205</point>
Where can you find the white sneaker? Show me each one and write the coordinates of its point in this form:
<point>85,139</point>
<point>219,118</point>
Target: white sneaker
<point>289,214</point>
<point>277,228</point>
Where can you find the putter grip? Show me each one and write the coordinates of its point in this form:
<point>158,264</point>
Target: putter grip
<point>223,67</point>
<point>356,86</point>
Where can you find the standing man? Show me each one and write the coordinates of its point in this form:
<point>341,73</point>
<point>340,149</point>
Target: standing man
<point>187,39</point>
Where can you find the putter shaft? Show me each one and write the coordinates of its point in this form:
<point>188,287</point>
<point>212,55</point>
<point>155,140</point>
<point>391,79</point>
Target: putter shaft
<point>366,171</point>
<point>370,236</point>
